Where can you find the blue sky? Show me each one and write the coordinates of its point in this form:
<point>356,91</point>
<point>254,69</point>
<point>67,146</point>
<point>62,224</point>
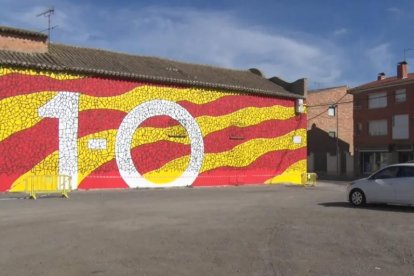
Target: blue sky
<point>330,42</point>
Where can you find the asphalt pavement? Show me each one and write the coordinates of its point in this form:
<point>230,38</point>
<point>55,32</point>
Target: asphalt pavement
<point>246,230</point>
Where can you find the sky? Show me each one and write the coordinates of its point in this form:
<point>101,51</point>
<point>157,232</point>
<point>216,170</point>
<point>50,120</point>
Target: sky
<point>329,42</point>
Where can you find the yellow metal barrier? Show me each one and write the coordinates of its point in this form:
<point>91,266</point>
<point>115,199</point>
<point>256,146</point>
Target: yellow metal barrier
<point>309,179</point>
<point>45,184</point>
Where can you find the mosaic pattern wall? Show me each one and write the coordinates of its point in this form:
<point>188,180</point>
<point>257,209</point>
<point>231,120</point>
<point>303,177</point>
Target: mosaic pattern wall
<point>119,134</point>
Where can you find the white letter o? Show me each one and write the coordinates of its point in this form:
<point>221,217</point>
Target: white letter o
<point>124,141</point>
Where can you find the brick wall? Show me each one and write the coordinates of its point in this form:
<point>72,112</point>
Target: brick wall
<point>23,44</point>
<point>363,115</point>
<point>318,103</point>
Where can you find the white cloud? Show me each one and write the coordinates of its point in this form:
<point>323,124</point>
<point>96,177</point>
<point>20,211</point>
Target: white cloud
<point>395,11</point>
<point>219,38</point>
<point>341,31</point>
<point>380,57</point>
<point>206,37</point>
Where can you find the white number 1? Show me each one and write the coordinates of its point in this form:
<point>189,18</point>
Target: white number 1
<point>65,107</point>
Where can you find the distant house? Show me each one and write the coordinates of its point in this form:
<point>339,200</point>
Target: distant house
<point>113,120</point>
<point>330,131</point>
<point>383,120</point>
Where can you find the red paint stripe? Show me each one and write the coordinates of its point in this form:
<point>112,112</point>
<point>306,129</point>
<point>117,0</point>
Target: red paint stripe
<point>232,136</point>
<point>107,176</point>
<point>216,142</point>
<point>265,167</point>
<point>262,169</point>
<point>150,157</point>
<point>93,121</point>
<point>232,103</point>
<point>44,141</point>
<point>22,151</point>
<point>108,179</point>
<point>219,107</point>
<point>153,156</point>
<point>19,84</point>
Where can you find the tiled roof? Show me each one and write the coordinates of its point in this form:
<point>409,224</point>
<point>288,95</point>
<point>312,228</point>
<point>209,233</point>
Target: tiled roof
<point>389,81</point>
<point>124,66</point>
<point>15,31</point>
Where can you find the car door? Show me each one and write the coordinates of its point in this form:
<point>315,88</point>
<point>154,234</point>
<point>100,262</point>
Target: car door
<point>380,187</point>
<point>404,187</point>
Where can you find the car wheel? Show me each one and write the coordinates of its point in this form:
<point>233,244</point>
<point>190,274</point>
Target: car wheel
<point>357,197</point>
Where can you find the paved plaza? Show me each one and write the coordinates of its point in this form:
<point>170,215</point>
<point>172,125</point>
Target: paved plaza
<point>250,230</point>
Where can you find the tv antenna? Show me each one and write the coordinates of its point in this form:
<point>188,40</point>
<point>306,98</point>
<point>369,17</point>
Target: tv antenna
<point>405,52</point>
<point>48,13</point>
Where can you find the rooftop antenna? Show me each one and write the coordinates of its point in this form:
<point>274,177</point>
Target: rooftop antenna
<point>48,13</point>
<point>405,52</point>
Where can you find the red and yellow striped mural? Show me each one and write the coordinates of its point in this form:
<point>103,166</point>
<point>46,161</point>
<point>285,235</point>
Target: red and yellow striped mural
<point>119,134</point>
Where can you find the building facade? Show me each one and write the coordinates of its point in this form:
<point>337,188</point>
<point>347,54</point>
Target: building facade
<point>111,120</point>
<point>330,132</point>
<point>383,120</point>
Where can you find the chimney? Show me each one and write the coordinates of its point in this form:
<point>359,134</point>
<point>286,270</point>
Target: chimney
<point>381,76</point>
<point>402,70</point>
<point>19,40</point>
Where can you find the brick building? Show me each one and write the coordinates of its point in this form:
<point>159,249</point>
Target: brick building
<point>383,120</point>
<point>330,131</point>
<point>113,120</point>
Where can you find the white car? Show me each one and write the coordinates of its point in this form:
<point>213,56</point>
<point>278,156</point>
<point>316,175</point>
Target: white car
<point>393,184</point>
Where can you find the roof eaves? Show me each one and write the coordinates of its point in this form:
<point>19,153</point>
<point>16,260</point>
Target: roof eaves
<point>48,62</point>
<point>364,88</point>
<point>17,31</point>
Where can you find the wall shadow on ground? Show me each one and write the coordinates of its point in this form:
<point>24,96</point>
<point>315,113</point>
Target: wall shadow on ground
<point>320,143</point>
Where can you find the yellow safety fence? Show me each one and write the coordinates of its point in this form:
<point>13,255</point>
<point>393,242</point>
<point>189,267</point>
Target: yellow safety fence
<point>309,179</point>
<point>44,184</point>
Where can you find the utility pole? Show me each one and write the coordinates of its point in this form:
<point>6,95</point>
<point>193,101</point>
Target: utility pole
<point>334,110</point>
<point>337,139</point>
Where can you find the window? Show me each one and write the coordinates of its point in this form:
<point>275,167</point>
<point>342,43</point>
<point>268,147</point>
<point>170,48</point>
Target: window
<point>331,111</point>
<point>358,128</point>
<point>357,104</point>
<point>373,161</point>
<point>390,172</point>
<point>400,126</point>
<point>406,171</point>
<point>332,134</point>
<point>377,128</point>
<point>377,100</point>
<point>400,96</point>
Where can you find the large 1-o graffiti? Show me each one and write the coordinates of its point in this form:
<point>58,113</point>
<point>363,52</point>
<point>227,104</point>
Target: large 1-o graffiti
<point>121,133</point>
<point>132,121</point>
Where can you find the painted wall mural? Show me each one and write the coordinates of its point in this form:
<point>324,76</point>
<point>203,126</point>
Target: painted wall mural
<point>119,134</point>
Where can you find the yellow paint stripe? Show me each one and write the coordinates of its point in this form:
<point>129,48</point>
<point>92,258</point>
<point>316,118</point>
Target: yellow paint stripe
<point>127,101</point>
<point>48,166</point>
<point>240,156</point>
<point>20,112</point>
<point>89,160</point>
<point>31,72</point>
<point>208,124</point>
<point>243,118</point>
<point>293,174</point>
